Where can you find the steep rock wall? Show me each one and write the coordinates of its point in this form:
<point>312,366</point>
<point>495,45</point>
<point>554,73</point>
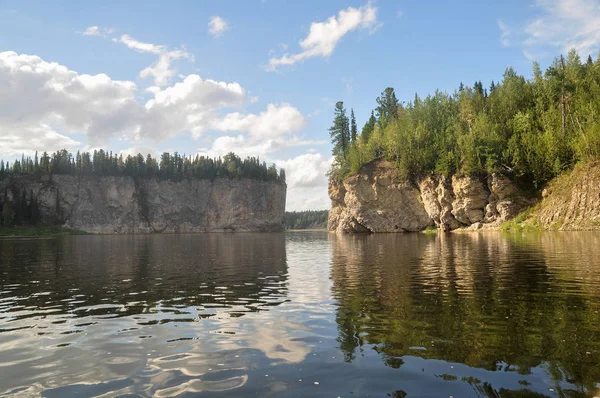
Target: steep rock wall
<point>378,200</point>
<point>128,205</point>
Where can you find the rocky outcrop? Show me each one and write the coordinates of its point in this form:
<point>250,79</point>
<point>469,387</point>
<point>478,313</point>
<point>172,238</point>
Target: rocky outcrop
<point>128,205</point>
<point>377,199</point>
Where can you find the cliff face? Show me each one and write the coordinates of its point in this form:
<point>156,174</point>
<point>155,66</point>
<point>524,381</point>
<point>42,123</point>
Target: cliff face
<point>125,205</point>
<point>378,200</point>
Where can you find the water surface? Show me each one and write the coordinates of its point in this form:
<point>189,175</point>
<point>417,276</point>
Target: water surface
<point>301,314</point>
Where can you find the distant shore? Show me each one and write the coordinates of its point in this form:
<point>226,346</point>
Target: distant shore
<point>29,232</point>
<point>306,230</point>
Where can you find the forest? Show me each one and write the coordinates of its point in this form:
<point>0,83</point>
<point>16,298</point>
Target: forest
<point>532,128</point>
<point>169,166</point>
<point>310,219</point>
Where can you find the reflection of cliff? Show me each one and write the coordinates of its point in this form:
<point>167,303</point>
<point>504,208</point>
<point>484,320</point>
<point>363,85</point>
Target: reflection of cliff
<point>126,275</point>
<point>490,301</point>
<point>160,315</point>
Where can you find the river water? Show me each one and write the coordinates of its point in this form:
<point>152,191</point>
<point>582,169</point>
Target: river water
<point>305,314</point>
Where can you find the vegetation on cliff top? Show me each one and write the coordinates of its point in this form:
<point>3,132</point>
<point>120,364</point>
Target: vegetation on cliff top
<point>532,128</point>
<point>170,166</point>
<point>310,219</point>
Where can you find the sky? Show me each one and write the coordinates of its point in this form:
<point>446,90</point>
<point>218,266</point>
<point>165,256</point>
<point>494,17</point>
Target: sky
<point>256,77</point>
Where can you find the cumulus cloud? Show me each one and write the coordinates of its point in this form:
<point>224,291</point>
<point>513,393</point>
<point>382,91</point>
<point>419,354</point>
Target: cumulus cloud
<point>97,31</point>
<point>274,122</point>
<point>43,137</point>
<point>144,150</point>
<point>35,94</point>
<point>217,25</point>
<point>244,146</point>
<point>160,71</point>
<point>324,36</point>
<point>307,181</point>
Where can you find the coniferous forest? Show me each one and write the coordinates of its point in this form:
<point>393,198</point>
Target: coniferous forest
<point>310,219</point>
<point>533,128</point>
<point>170,166</point>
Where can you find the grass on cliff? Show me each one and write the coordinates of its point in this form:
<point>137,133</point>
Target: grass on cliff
<point>42,230</point>
<point>522,222</point>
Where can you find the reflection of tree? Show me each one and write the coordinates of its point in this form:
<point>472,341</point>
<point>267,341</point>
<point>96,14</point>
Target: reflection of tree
<point>498,302</point>
<point>128,275</point>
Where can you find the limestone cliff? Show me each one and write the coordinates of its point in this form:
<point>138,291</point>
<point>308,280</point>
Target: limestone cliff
<point>378,200</point>
<point>128,205</point>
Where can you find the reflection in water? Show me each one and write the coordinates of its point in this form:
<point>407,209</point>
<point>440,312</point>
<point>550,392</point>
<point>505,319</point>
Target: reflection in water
<point>78,311</point>
<point>523,304</point>
<point>301,314</point>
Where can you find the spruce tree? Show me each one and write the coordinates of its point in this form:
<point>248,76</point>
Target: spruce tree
<point>387,106</point>
<point>340,132</point>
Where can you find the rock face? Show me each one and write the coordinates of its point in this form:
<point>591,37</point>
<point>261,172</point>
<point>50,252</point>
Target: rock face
<point>378,200</point>
<point>127,205</point>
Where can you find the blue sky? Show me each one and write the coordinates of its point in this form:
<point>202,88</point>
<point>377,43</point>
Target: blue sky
<point>258,77</point>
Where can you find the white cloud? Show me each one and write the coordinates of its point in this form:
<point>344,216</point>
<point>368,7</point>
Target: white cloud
<point>217,25</point>
<point>565,24</point>
<point>324,36</point>
<point>42,138</point>
<point>144,150</point>
<point>504,33</point>
<point>276,121</point>
<point>35,94</point>
<point>307,181</point>
<point>244,146</point>
<point>97,31</point>
<point>160,71</point>
<point>140,46</point>
<point>189,105</point>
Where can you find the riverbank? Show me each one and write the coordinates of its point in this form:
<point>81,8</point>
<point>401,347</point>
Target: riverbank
<point>26,232</point>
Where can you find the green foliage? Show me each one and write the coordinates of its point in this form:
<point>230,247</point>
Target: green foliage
<point>170,166</point>
<point>311,219</point>
<point>340,134</point>
<point>43,230</point>
<point>533,128</point>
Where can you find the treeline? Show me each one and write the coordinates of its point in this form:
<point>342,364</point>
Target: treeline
<point>532,128</point>
<point>169,166</point>
<point>311,219</point>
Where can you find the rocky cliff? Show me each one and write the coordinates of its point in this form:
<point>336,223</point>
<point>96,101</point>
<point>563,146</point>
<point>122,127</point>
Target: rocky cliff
<point>378,200</point>
<point>128,205</point>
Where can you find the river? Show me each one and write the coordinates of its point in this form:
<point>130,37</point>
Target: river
<point>306,314</point>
